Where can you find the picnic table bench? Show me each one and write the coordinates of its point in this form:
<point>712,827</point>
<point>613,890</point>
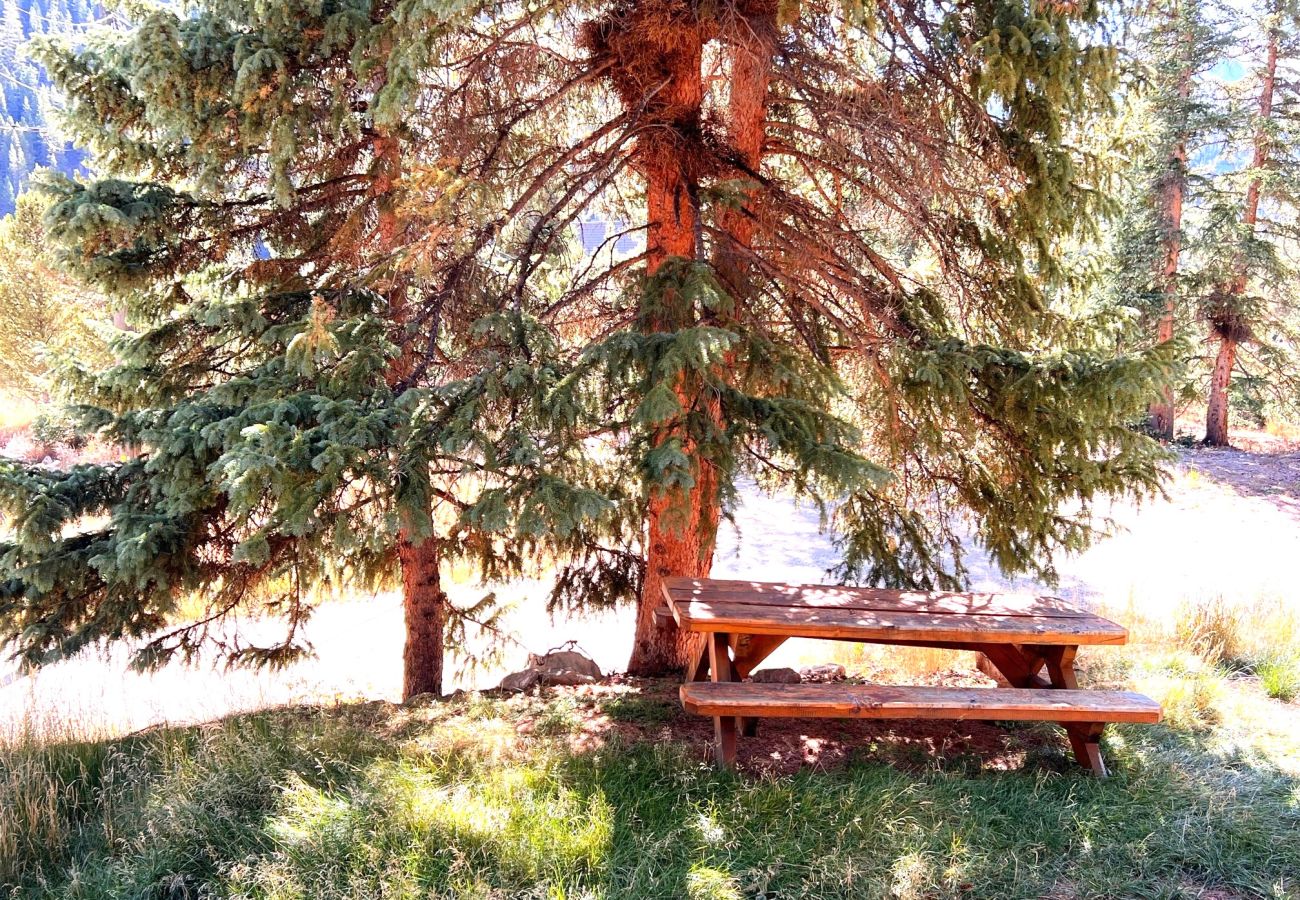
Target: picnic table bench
<point>1030,641</point>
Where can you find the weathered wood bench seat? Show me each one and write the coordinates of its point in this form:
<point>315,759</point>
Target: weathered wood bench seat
<point>1029,642</point>
<point>888,701</point>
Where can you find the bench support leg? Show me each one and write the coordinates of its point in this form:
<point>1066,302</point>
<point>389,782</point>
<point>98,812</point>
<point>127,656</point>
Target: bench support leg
<point>724,727</point>
<point>1018,665</point>
<point>1085,738</point>
<point>699,670</point>
<point>750,651</point>
<point>1085,741</point>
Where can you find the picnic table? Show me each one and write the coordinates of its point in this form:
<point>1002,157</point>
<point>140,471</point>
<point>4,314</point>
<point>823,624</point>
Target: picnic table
<point>1029,641</point>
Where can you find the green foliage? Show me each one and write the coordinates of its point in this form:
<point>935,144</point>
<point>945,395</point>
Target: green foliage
<point>365,319</point>
<point>1279,673</point>
<point>301,398</point>
<point>44,317</point>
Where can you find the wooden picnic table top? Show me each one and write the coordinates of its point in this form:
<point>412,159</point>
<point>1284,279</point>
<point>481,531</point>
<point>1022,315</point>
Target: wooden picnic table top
<point>875,614</point>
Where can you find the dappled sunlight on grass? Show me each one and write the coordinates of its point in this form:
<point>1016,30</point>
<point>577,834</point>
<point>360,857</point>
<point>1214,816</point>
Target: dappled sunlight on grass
<point>496,797</point>
<point>513,824</point>
<point>707,883</point>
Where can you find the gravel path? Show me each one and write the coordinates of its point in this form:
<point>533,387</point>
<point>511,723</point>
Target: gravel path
<point>1230,527</point>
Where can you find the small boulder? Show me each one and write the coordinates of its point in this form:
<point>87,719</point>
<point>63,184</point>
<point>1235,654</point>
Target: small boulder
<point>518,682</point>
<point>566,667</point>
<point>824,672</point>
<point>775,676</point>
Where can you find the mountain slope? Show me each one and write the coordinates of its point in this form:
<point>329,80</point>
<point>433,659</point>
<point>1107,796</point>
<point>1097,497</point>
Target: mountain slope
<point>28,138</point>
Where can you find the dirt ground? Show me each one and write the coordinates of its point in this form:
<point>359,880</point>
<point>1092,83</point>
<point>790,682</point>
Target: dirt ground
<point>785,746</point>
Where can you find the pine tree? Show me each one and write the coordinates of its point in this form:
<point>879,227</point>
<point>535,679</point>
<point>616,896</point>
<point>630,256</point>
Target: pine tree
<point>1181,114</point>
<point>308,405</point>
<point>1249,302</point>
<point>849,286</point>
<point>821,218</point>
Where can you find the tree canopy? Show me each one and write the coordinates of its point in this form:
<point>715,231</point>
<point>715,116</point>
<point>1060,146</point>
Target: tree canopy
<point>372,337</point>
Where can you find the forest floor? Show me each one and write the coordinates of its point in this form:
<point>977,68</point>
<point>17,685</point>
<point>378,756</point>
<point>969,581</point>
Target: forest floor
<point>312,783</point>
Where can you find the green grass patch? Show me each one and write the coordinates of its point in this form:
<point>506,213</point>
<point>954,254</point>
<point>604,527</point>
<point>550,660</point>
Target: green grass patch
<point>638,710</point>
<point>452,800</point>
<point>1279,675</point>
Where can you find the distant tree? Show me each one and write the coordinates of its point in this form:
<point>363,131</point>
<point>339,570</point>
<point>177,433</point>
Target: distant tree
<point>29,139</point>
<point>1181,114</point>
<point>370,341</point>
<point>1254,227</point>
<point>44,315</point>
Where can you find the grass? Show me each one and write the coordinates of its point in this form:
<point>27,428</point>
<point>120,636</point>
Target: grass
<point>578,794</point>
<point>1279,675</point>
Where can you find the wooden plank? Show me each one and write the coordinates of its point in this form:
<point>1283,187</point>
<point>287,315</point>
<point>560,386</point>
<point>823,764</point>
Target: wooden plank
<point>687,590</point>
<point>868,625</point>
<point>876,701</point>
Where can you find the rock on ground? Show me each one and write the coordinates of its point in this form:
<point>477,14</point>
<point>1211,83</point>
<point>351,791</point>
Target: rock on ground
<point>775,676</point>
<point>565,667</point>
<point>824,672</point>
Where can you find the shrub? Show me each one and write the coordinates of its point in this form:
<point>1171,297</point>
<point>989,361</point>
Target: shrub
<point>1192,701</point>
<point>55,429</point>
<point>1280,676</point>
<point>1211,628</point>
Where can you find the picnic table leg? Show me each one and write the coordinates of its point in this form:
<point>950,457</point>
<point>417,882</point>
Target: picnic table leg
<point>1017,664</point>
<point>724,727</point>
<point>751,650</point>
<point>1085,737</point>
<point>1085,741</point>
<point>699,669</point>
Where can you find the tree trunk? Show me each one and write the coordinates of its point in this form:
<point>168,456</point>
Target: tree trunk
<point>682,530</point>
<point>1161,413</point>
<point>1216,418</point>
<point>424,609</point>
<point>753,42</point>
<point>679,536</point>
<point>1227,324</point>
<point>424,603</point>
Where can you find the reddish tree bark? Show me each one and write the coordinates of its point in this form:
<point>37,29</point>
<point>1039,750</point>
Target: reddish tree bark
<point>424,603</point>
<point>678,541</point>
<point>1161,413</point>
<point>1226,324</point>
<point>682,528</point>
<point>1216,419</point>
<point>424,612</point>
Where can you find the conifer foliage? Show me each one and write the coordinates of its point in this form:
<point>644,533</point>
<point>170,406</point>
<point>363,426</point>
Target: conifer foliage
<point>1180,43</point>
<point>370,339</point>
<point>1249,302</point>
<point>1204,247</point>
<point>307,404</point>
<point>44,315</point>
